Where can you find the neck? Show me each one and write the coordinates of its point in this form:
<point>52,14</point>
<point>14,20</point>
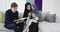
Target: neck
<point>12,11</point>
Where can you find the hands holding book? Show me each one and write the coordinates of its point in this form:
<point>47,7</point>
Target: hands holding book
<point>19,20</point>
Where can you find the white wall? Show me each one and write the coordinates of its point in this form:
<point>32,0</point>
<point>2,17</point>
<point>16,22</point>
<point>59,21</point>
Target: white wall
<point>21,4</point>
<point>31,1</point>
<point>5,4</point>
<point>53,6</point>
<point>2,5</point>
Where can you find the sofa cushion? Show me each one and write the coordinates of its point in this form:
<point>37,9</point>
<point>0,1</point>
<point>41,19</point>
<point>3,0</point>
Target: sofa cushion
<point>44,15</point>
<point>2,28</point>
<point>49,27</point>
<point>50,17</point>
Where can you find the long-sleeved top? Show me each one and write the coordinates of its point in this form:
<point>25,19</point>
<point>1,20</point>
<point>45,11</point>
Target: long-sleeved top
<point>10,17</point>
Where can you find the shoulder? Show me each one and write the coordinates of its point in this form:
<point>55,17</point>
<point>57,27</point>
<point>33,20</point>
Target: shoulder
<point>8,11</point>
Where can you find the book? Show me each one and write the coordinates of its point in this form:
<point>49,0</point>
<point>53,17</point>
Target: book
<point>20,20</point>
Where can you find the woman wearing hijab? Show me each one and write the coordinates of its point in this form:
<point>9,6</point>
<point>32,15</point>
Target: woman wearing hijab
<point>33,22</point>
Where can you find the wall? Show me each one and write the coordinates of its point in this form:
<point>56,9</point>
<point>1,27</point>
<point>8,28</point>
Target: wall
<point>2,5</point>
<point>31,1</point>
<point>5,4</point>
<point>21,4</point>
<point>53,6</point>
<point>39,4</point>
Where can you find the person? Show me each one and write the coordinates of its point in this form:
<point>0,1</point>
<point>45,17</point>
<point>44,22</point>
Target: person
<point>27,10</point>
<point>32,24</point>
<point>11,15</point>
<point>35,19</point>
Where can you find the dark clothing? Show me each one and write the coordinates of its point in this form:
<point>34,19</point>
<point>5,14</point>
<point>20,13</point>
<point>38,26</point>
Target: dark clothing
<point>19,27</point>
<point>33,27</point>
<point>26,11</point>
<point>16,27</point>
<point>25,15</point>
<point>9,24</point>
<point>10,17</point>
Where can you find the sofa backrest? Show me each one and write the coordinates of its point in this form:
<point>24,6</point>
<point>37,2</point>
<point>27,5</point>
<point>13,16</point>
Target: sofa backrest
<point>0,15</point>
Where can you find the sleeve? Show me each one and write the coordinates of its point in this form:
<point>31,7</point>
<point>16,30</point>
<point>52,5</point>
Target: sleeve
<point>24,15</point>
<point>7,18</point>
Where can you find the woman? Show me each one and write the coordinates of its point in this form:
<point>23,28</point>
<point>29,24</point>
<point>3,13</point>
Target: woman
<point>27,10</point>
<point>32,23</point>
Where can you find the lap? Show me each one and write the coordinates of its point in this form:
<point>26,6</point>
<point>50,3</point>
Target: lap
<point>10,26</point>
<point>13,26</point>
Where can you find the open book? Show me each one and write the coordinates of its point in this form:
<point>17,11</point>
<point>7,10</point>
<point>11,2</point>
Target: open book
<point>20,20</point>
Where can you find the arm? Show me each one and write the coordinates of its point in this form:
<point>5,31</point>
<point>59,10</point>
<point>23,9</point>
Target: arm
<point>7,18</point>
<point>17,15</point>
<point>25,14</point>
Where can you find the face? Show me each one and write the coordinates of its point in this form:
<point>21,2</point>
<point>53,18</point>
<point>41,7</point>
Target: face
<point>28,7</point>
<point>33,8</point>
<point>14,9</point>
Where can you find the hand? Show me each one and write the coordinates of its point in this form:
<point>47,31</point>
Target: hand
<point>18,22</point>
<point>29,14</point>
<point>33,15</point>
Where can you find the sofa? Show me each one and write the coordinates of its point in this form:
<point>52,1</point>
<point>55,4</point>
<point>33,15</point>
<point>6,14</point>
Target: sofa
<point>44,26</point>
<point>49,27</point>
<point>2,28</point>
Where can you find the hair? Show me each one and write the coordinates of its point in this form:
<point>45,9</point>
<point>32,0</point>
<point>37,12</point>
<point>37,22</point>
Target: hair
<point>34,6</point>
<point>14,4</point>
<point>27,5</point>
<point>26,10</point>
